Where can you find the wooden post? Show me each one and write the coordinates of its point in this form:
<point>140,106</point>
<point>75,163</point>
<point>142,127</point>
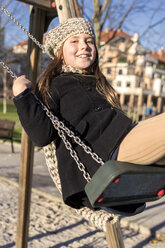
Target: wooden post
<point>37,24</point>
<point>4,92</point>
<point>114,235</point>
<point>67,9</point>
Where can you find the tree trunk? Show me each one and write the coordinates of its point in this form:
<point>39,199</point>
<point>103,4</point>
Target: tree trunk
<point>5,92</point>
<point>97,21</point>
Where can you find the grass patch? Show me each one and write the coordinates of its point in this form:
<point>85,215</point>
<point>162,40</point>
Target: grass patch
<point>12,116</point>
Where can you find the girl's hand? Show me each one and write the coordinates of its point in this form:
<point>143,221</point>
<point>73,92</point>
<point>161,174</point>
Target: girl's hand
<point>20,84</point>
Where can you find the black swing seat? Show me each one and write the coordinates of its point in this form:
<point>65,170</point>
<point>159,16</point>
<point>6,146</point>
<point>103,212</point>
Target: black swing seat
<point>121,183</point>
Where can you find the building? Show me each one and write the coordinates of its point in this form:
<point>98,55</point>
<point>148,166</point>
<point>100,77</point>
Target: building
<point>16,61</point>
<point>137,74</point>
<point>20,50</point>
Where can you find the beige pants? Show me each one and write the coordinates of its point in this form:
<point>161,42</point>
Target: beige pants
<point>145,143</point>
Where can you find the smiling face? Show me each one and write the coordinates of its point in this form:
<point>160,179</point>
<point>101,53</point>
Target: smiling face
<point>79,51</point>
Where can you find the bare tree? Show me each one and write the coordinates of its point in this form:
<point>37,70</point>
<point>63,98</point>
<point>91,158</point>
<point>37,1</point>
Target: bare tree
<point>108,11</point>
<point>115,13</point>
<point>6,51</point>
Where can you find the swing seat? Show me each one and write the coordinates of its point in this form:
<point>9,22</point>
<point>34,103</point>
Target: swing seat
<point>121,183</point>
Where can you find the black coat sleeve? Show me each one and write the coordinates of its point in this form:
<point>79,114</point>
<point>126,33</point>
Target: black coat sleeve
<point>34,119</point>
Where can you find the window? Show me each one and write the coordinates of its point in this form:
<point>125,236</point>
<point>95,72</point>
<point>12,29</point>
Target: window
<point>101,59</point>
<point>118,83</point>
<point>138,83</point>
<point>148,63</point>
<point>131,70</point>
<point>108,70</point>
<point>109,59</point>
<point>122,40</point>
<point>102,48</point>
<point>128,84</point>
<point>122,59</point>
<point>161,66</point>
<point>161,89</point>
<point>120,72</point>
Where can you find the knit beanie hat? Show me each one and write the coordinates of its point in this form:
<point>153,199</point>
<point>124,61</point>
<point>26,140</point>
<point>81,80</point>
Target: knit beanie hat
<point>72,26</point>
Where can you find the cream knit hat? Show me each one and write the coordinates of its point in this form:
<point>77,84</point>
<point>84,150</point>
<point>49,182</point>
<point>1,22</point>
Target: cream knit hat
<point>56,37</point>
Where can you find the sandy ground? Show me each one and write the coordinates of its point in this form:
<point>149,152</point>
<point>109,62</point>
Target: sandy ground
<point>53,225</point>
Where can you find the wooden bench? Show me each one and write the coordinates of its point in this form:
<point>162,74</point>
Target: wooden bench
<point>6,131</point>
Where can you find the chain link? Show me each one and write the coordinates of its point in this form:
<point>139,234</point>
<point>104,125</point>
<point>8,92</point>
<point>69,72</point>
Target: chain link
<point>12,74</point>
<point>58,125</point>
<point>25,31</point>
<point>67,144</point>
<point>70,133</point>
<point>73,154</point>
<point>61,128</point>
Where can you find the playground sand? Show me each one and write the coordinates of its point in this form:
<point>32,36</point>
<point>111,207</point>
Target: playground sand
<point>54,225</point>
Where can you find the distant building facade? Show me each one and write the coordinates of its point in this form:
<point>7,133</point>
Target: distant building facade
<point>16,61</point>
<point>137,74</point>
<point>20,49</point>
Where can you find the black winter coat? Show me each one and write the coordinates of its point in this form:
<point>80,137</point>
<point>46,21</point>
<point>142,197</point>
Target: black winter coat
<point>76,101</point>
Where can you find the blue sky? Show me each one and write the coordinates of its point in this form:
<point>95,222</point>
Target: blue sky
<point>138,21</point>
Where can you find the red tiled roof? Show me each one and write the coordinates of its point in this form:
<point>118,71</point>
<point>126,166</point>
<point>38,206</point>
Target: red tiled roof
<point>107,35</point>
<point>160,57</point>
<point>22,43</point>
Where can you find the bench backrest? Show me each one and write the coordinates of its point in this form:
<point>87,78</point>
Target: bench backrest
<point>6,128</point>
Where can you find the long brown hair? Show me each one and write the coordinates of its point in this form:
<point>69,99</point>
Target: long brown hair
<point>103,86</point>
<point>54,69</point>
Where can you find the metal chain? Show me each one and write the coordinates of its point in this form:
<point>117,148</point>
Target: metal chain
<point>58,125</point>
<point>70,133</point>
<point>25,31</point>
<point>61,128</point>
<point>73,153</point>
<point>12,74</point>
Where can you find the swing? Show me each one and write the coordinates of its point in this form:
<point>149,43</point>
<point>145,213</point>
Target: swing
<point>123,187</point>
<point>100,219</point>
<point>115,184</point>
<point>121,183</point>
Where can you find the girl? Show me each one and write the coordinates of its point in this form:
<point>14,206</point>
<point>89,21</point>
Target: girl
<point>75,90</point>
